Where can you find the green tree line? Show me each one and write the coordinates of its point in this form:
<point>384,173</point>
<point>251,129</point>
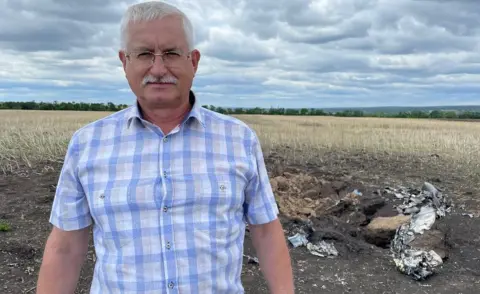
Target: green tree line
<point>81,106</point>
<point>437,114</point>
<point>76,106</point>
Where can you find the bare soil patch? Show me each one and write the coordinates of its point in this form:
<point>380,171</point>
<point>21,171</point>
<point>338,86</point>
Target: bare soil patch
<point>319,193</point>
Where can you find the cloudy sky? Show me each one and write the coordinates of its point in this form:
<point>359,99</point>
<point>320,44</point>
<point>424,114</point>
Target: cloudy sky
<point>280,53</point>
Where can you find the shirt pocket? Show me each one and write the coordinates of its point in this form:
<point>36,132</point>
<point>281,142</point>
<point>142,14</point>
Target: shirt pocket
<point>210,201</point>
<point>121,212</point>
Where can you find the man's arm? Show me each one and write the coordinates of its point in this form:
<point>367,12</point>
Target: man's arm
<point>63,258</point>
<point>261,213</point>
<point>272,252</point>
<point>67,244</point>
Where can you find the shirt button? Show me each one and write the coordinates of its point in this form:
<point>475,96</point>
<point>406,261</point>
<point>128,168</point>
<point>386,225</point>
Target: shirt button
<point>168,245</point>
<point>165,173</point>
<point>170,285</point>
<point>165,139</point>
<point>165,209</point>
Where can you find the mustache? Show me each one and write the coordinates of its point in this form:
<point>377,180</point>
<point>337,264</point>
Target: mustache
<point>163,80</point>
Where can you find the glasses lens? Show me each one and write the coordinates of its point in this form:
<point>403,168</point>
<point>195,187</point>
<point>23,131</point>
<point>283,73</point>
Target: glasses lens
<point>170,58</point>
<point>144,56</point>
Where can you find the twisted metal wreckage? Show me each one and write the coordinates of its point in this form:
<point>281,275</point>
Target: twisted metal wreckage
<point>426,207</point>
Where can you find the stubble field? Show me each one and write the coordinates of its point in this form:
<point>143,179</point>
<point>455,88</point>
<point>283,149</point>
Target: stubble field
<point>313,162</point>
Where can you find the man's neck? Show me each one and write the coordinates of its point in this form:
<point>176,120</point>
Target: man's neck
<point>166,119</point>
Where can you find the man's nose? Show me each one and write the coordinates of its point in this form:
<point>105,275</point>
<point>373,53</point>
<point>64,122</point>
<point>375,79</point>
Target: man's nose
<point>158,66</point>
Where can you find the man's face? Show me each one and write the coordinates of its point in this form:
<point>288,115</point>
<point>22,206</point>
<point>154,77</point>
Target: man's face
<point>158,36</point>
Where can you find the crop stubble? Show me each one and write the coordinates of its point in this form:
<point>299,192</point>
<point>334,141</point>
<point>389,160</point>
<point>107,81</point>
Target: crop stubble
<point>30,137</point>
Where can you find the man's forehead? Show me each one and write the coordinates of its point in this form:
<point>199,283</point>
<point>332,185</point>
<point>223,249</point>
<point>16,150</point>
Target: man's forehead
<point>146,46</point>
<point>156,34</point>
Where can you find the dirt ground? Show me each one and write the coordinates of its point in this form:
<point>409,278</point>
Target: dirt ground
<point>26,198</point>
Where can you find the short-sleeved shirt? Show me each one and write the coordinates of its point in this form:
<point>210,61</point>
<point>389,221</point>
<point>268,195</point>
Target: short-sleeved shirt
<point>168,210</point>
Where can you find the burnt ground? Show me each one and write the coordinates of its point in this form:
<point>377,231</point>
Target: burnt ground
<point>360,267</point>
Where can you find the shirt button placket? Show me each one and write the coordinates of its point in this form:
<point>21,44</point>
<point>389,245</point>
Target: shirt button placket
<point>166,219</point>
<point>167,228</point>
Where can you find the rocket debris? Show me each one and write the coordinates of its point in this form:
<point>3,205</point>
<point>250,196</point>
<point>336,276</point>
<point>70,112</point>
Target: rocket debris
<point>425,207</point>
<point>321,248</point>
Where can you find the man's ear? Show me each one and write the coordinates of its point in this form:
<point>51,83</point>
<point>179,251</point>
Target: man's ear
<point>195,60</point>
<point>123,59</point>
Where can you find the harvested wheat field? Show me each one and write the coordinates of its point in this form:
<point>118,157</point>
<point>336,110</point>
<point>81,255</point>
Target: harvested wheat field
<point>350,190</point>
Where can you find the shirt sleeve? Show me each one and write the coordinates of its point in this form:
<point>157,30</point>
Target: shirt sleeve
<point>70,210</point>
<point>260,205</point>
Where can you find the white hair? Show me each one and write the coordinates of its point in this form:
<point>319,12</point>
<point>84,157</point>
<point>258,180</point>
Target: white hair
<point>153,10</point>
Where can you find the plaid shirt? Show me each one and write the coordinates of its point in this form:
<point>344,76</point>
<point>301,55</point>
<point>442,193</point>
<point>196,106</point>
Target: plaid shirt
<point>169,212</point>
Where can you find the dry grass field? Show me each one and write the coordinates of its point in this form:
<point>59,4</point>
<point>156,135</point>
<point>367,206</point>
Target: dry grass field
<point>29,137</point>
<point>456,142</point>
<point>365,153</point>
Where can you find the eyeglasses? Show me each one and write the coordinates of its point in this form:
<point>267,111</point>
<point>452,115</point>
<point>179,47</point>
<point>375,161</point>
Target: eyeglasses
<point>171,58</point>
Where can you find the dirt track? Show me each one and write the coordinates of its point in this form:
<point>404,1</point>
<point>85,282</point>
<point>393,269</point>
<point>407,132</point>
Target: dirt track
<point>25,203</point>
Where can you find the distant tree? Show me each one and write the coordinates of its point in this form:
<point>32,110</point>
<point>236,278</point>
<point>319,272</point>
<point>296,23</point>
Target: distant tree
<point>469,115</point>
<point>450,114</point>
<point>291,111</point>
<point>436,114</point>
<point>304,111</point>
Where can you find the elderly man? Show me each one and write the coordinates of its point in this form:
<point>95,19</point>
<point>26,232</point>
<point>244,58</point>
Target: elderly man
<point>167,185</point>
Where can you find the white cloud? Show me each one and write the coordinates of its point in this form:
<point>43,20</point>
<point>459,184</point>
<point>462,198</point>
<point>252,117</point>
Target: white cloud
<point>257,53</point>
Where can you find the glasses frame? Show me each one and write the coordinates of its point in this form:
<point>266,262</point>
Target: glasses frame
<point>154,55</point>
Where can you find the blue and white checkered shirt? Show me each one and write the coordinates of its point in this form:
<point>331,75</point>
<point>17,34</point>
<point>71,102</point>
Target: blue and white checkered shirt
<point>169,212</point>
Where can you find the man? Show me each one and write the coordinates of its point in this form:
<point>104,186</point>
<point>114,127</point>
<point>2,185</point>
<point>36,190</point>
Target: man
<point>167,185</point>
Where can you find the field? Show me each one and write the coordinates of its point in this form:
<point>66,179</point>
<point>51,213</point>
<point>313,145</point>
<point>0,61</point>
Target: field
<point>344,154</point>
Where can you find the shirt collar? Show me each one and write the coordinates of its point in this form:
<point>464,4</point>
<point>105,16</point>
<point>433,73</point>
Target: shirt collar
<point>195,112</point>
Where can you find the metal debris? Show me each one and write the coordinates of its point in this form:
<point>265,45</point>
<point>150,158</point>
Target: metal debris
<point>357,193</point>
<point>423,220</point>
<point>298,239</point>
<point>251,259</point>
<point>414,200</point>
<point>401,192</point>
<point>418,263</point>
<point>322,249</point>
<point>427,206</point>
